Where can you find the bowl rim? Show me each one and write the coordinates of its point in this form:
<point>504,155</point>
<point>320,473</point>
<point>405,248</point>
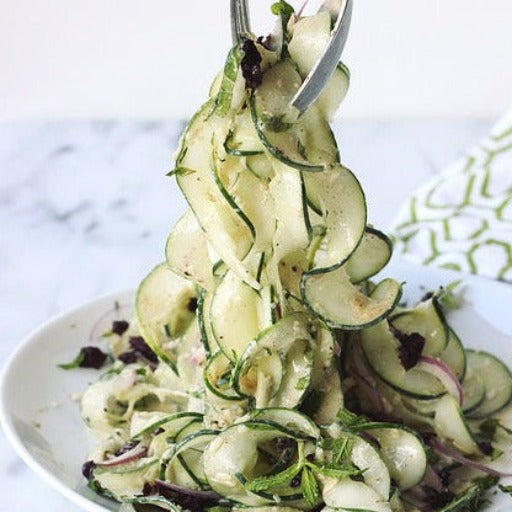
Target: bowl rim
<point>6,416</point>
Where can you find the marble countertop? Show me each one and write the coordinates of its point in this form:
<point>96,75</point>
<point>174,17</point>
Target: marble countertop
<point>85,208</point>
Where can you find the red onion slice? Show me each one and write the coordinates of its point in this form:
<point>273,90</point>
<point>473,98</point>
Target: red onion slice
<point>362,376</point>
<point>432,479</point>
<point>135,453</point>
<point>442,372</point>
<point>441,449</point>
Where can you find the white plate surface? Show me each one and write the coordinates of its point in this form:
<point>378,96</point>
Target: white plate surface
<point>42,420</point>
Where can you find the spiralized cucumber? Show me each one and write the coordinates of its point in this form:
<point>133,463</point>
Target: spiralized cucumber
<point>264,370</point>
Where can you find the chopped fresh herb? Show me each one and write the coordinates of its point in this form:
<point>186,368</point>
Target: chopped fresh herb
<point>276,124</point>
<point>411,346</point>
<point>88,357</point>
<point>302,383</point>
<point>334,470</point>
<point>266,482</point>
<point>496,453</point>
<point>319,230</point>
<point>301,149</point>
<point>119,327</point>
<point>487,448</point>
<point>180,171</point>
<point>489,428</point>
<point>472,499</point>
<point>352,421</point>
<point>251,65</point>
<point>225,95</point>
<point>309,486</point>
<point>97,488</point>
<point>341,449</point>
<point>506,488</point>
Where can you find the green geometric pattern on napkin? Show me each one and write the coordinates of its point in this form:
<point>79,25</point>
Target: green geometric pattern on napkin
<point>462,219</point>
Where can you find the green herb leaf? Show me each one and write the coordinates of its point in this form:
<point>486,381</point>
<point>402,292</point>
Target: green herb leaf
<point>180,171</point>
<point>489,428</point>
<point>353,421</point>
<point>472,499</point>
<point>276,124</point>
<point>341,449</point>
<point>225,94</point>
<point>302,383</point>
<point>264,483</point>
<point>79,359</point>
<point>496,453</point>
<point>506,488</point>
<point>309,486</point>
<point>334,470</point>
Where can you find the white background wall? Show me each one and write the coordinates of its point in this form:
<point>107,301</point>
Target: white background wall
<point>154,58</point>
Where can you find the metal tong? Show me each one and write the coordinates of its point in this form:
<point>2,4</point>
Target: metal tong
<point>318,77</point>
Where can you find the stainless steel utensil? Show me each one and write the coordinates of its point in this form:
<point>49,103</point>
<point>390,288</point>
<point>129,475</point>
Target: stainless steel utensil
<point>341,10</point>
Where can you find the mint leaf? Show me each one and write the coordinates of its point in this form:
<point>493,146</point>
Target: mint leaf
<point>352,421</point>
<point>341,449</point>
<point>302,383</point>
<point>490,427</point>
<point>264,483</point>
<point>472,499</point>
<point>309,486</point>
<point>77,361</point>
<point>334,470</point>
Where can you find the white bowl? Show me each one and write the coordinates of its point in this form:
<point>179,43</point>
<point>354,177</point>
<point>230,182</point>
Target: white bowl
<point>43,423</point>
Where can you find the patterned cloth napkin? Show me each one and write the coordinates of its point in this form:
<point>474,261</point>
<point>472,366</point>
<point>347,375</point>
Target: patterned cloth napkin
<point>462,219</point>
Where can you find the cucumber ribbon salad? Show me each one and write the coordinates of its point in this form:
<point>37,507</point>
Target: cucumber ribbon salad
<point>264,370</point>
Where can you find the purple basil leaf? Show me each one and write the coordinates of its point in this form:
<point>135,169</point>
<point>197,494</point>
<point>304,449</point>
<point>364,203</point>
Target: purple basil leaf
<point>142,349</point>
<point>128,357</point>
<point>88,468</point>
<point>119,327</point>
<point>251,65</point>
<point>88,357</point>
<point>411,347</point>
